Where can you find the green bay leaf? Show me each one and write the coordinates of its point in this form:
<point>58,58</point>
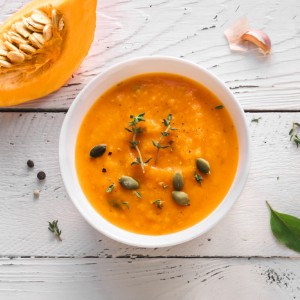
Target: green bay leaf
<point>286,229</point>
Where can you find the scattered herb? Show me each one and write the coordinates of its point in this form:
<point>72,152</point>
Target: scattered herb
<point>138,194</point>
<point>158,203</point>
<point>198,177</point>
<point>219,107</point>
<point>157,144</point>
<point>255,120</point>
<point>294,133</point>
<point>134,143</point>
<point>30,163</point>
<point>126,204</point>
<point>286,229</point>
<point>41,175</point>
<point>53,227</point>
<point>110,188</point>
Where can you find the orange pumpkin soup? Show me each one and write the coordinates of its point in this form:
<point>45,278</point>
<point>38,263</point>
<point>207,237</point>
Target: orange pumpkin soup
<point>181,117</point>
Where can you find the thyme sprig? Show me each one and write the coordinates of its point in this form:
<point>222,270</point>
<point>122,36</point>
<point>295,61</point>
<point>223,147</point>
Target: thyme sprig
<point>158,144</point>
<point>53,227</point>
<point>134,129</point>
<point>294,133</point>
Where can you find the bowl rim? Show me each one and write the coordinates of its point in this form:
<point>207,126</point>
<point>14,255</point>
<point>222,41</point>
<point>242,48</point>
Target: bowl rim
<point>141,240</point>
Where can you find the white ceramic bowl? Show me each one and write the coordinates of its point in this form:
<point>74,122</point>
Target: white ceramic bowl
<point>91,93</point>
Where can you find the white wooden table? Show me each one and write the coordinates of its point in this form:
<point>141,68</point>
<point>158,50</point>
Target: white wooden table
<point>239,258</point>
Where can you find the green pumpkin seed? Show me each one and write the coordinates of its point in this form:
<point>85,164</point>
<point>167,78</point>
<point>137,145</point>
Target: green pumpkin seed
<point>203,165</point>
<point>128,183</point>
<point>98,150</point>
<point>181,198</point>
<point>177,181</point>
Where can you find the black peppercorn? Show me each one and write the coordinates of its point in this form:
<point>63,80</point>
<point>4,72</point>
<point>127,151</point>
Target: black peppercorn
<point>30,163</point>
<point>41,175</point>
<point>103,170</point>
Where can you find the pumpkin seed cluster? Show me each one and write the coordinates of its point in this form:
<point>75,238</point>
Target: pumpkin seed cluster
<point>27,36</point>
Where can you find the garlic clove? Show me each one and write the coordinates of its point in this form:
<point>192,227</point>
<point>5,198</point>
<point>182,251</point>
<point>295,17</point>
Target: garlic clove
<point>259,38</point>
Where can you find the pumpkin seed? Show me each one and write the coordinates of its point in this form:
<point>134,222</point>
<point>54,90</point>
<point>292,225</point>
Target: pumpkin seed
<point>40,12</point>
<point>35,42</point>
<point>27,56</point>
<point>27,48</point>
<point>29,25</point>
<point>21,29</point>
<point>61,24</point>
<point>37,26</point>
<point>7,37</point>
<point>178,181</point>
<point>18,39</point>
<point>203,165</point>
<point>15,57</point>
<point>39,37</point>
<point>181,198</point>
<point>5,64</point>
<point>40,18</point>
<point>47,32</point>
<point>10,46</point>
<point>3,52</point>
<point>98,150</point>
<point>2,46</point>
<point>128,183</point>
<point>56,16</point>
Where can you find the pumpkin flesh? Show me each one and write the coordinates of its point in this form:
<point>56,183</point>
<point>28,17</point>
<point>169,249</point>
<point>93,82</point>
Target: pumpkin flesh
<point>63,53</point>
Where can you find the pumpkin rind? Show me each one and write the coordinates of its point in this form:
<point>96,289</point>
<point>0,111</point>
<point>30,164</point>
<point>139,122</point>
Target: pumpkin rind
<point>80,21</point>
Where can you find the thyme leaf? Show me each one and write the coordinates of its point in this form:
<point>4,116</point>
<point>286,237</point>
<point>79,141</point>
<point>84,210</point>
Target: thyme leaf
<point>256,120</point>
<point>126,204</point>
<point>138,194</point>
<point>294,133</point>
<point>110,188</point>
<point>158,203</point>
<point>219,106</point>
<point>198,177</point>
<point>53,227</point>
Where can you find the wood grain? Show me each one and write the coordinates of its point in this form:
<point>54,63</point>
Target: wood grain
<point>245,231</point>
<point>193,30</point>
<point>164,279</point>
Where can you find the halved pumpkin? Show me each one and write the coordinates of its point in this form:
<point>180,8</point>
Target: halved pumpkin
<point>41,45</point>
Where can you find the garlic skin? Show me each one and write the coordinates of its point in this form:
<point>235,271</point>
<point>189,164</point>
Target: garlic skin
<point>259,38</point>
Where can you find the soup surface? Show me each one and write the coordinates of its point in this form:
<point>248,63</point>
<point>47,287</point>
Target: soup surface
<point>200,127</point>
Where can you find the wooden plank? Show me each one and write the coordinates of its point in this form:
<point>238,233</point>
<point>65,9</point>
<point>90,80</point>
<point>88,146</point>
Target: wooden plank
<point>245,231</point>
<point>234,279</point>
<point>193,30</point>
